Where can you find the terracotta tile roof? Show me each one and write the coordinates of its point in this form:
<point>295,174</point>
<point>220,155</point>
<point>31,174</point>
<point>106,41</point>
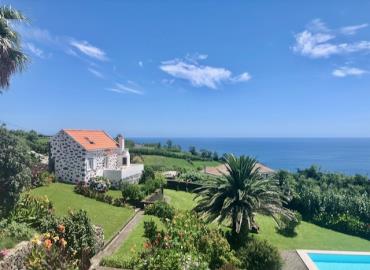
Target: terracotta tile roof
<point>92,139</point>
<point>221,169</point>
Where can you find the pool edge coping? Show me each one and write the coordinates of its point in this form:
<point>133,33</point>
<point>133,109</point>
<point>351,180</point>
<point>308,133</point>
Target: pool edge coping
<point>303,253</point>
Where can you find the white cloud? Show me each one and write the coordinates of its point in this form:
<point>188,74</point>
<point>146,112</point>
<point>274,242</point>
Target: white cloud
<point>200,75</point>
<point>317,25</point>
<point>140,63</point>
<point>348,71</point>
<point>352,29</point>
<point>89,50</point>
<point>318,42</point>
<point>123,89</point>
<point>95,73</point>
<point>34,50</point>
<point>242,77</point>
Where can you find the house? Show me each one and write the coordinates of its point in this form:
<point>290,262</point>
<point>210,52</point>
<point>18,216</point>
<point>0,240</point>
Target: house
<point>79,155</point>
<point>221,170</point>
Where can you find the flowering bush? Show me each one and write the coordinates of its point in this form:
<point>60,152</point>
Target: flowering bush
<point>49,251</point>
<point>87,191</point>
<point>99,184</point>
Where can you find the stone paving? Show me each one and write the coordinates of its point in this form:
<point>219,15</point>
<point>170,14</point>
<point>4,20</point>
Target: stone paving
<point>292,261</point>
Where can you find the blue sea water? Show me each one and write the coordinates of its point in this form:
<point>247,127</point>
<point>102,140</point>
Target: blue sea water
<point>340,261</point>
<point>346,155</point>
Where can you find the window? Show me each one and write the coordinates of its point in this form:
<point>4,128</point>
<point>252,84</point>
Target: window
<point>90,164</point>
<point>105,162</point>
<point>124,161</point>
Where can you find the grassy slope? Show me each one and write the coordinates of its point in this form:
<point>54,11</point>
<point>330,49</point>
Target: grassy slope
<point>310,236</point>
<point>111,218</point>
<point>170,163</point>
<point>134,243</point>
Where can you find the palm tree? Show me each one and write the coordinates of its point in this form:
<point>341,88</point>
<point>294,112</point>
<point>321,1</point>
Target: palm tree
<point>240,194</point>
<point>12,59</point>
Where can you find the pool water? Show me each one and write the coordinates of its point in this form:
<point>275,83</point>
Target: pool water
<point>340,261</point>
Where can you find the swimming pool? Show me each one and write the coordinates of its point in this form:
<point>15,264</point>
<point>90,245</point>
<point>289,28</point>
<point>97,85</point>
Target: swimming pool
<point>335,260</point>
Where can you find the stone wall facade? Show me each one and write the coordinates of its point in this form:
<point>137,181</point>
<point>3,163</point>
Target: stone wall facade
<point>71,160</point>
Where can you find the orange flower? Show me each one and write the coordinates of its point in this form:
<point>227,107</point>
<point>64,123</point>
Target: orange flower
<point>147,245</point>
<point>61,228</point>
<point>63,242</point>
<point>47,244</point>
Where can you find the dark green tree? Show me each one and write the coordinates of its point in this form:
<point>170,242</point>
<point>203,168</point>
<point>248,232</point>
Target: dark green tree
<point>15,173</point>
<point>240,194</point>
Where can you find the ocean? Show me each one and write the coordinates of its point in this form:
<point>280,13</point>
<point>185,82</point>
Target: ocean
<point>345,155</point>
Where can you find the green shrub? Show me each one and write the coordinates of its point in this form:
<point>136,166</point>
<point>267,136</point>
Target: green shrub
<point>187,243</point>
<point>15,173</point>
<point>132,192</point>
<point>119,202</point>
<point>150,230</point>
<point>288,226</point>
<point>152,185</point>
<point>259,255</point>
<point>148,173</point>
<point>160,209</point>
<point>17,231</point>
<point>99,184</point>
<point>32,210</point>
<point>79,234</point>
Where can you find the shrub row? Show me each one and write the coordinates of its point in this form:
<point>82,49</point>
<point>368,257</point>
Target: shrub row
<point>182,185</point>
<point>84,190</point>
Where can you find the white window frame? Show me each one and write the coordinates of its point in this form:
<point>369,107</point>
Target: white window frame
<point>105,162</point>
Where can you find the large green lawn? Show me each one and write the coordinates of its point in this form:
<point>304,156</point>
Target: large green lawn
<point>111,218</point>
<point>171,163</point>
<point>310,236</point>
<point>180,199</point>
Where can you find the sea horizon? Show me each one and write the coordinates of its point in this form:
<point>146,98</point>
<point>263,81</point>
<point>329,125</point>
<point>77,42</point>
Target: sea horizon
<point>348,155</point>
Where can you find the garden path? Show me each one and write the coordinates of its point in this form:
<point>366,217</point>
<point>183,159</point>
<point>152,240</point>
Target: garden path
<point>117,240</point>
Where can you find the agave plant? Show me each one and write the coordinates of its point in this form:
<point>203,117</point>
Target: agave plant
<point>12,59</point>
<point>240,194</point>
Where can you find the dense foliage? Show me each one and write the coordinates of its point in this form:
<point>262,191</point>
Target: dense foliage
<point>237,196</point>
<point>331,200</point>
<point>32,210</point>
<point>160,209</point>
<point>35,141</point>
<point>259,255</point>
<point>15,173</point>
<point>187,243</point>
<point>196,177</point>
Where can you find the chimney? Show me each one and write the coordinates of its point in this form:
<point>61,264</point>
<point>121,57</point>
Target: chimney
<point>121,142</point>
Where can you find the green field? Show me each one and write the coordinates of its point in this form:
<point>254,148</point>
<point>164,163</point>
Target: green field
<point>109,217</point>
<point>172,163</point>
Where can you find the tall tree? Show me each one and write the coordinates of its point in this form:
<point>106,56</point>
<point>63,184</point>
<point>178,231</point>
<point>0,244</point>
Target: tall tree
<point>240,194</point>
<point>15,173</point>
<point>12,58</point>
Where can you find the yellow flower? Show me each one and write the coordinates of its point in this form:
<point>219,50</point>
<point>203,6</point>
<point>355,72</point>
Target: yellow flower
<point>56,238</point>
<point>47,235</point>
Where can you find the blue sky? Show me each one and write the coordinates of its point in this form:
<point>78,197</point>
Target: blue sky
<point>194,68</point>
